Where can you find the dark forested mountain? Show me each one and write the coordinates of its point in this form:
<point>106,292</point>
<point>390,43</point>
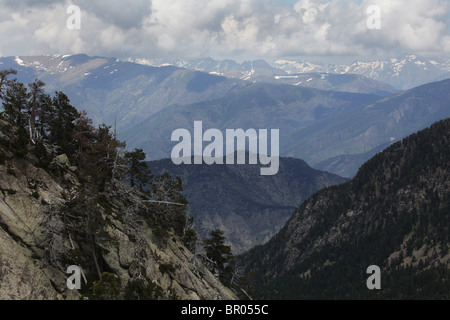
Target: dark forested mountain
<point>348,164</point>
<point>248,207</point>
<point>394,214</point>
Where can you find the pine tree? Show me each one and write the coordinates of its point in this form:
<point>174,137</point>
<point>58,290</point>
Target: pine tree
<point>4,80</point>
<point>83,136</point>
<point>36,101</point>
<point>62,117</point>
<point>138,174</point>
<point>45,117</point>
<point>15,102</point>
<point>102,158</point>
<point>220,254</point>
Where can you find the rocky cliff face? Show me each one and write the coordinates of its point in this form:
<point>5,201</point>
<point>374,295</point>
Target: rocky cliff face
<point>28,196</point>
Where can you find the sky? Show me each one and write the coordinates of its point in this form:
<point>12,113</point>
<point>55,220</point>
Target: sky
<point>235,29</point>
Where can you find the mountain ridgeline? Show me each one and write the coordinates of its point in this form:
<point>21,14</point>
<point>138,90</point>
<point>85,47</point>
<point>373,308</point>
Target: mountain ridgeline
<point>403,72</point>
<point>395,214</point>
<point>110,89</point>
<point>364,131</point>
<point>330,129</point>
<point>248,207</point>
<point>72,193</point>
<point>259,106</point>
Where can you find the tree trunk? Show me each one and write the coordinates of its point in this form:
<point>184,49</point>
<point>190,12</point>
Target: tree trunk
<point>96,263</point>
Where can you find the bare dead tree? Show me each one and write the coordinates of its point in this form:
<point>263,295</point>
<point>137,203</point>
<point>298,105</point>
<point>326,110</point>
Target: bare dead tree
<point>35,103</point>
<point>246,294</point>
<point>236,276</point>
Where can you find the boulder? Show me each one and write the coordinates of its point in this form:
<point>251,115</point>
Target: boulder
<point>63,160</point>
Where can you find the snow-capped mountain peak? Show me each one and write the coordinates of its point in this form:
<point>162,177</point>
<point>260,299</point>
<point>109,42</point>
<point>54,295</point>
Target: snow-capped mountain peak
<point>402,72</point>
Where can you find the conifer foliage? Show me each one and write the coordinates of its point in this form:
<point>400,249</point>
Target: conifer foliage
<point>110,183</point>
<point>220,253</point>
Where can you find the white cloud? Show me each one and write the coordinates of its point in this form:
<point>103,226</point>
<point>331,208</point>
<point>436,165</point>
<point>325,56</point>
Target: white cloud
<point>144,28</point>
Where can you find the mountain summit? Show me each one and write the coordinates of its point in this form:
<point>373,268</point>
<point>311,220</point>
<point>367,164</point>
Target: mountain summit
<point>403,72</point>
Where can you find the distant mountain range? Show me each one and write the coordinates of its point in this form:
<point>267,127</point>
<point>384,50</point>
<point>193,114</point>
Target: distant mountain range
<point>109,89</point>
<point>248,207</point>
<point>262,71</point>
<point>394,214</point>
<point>333,129</point>
<point>259,106</point>
<point>403,72</point>
<point>363,132</point>
<point>316,126</point>
<point>333,82</point>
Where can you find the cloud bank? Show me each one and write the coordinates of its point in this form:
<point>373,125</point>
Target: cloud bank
<point>225,28</point>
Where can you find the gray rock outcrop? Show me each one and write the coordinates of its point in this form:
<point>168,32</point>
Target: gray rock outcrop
<point>28,193</point>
